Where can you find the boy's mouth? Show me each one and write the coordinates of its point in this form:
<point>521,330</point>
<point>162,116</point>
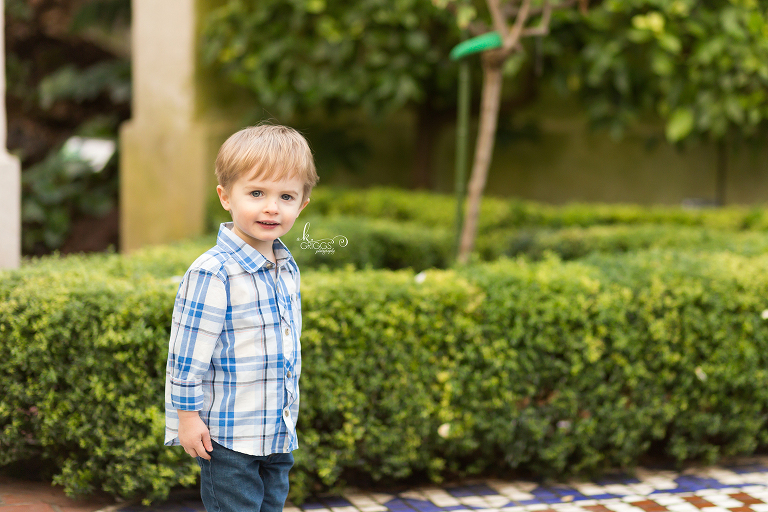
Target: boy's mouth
<point>268,223</point>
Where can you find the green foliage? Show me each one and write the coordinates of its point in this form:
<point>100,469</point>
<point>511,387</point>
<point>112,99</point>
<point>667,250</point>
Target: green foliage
<point>64,81</point>
<point>84,369</point>
<point>103,13</point>
<point>558,368</point>
<point>577,242</point>
<point>299,55</point>
<point>341,241</point>
<point>395,245</point>
<point>68,83</point>
<point>438,210</point>
<point>56,190</point>
<point>383,351</point>
<point>397,229</point>
<point>611,366</point>
<point>19,9</point>
<point>701,66</point>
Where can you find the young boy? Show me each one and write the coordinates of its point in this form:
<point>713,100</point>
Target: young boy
<point>234,357</point>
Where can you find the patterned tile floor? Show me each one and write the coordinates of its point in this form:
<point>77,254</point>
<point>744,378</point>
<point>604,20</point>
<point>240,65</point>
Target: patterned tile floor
<point>738,487</point>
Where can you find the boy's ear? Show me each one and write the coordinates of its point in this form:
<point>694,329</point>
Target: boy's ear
<point>223,197</point>
<point>306,202</point>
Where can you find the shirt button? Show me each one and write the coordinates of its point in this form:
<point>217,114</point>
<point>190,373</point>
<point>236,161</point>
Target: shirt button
<point>289,374</point>
<point>287,331</point>
<point>286,412</point>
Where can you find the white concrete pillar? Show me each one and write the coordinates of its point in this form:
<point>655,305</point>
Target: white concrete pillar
<point>168,148</point>
<point>10,177</point>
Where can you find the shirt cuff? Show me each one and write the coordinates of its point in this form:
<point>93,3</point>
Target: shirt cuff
<point>187,395</point>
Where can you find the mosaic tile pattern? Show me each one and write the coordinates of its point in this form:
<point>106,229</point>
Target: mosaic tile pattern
<point>741,487</point>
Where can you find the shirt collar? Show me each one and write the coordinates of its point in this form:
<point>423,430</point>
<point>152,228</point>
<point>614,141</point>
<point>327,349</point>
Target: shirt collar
<point>249,258</point>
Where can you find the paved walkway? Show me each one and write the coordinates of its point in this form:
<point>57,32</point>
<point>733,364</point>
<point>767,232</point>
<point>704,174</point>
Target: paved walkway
<point>738,487</point>
<point>26,496</point>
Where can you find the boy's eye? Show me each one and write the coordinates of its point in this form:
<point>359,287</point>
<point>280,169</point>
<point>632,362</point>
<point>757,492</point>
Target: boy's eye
<point>257,193</point>
<point>286,197</point>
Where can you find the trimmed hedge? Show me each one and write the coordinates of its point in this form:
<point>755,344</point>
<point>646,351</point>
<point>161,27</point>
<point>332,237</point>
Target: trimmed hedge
<point>83,372</point>
<point>431,209</point>
<point>395,244</point>
<point>371,244</point>
<point>394,229</point>
<point>439,211</point>
<point>552,367</point>
<point>577,242</point>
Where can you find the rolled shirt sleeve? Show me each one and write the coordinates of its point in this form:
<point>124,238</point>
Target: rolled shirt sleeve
<point>198,319</point>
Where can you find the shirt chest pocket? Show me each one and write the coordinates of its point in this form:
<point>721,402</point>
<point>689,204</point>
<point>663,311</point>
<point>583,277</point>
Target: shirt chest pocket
<point>289,304</point>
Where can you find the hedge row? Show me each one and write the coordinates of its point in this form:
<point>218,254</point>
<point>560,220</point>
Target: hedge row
<point>553,367</point>
<point>578,242</point>
<point>372,243</point>
<point>431,209</point>
<point>391,228</point>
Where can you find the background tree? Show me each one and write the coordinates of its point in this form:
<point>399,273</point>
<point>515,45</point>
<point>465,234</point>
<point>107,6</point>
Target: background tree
<point>512,20</point>
<point>700,66</point>
<point>302,56</point>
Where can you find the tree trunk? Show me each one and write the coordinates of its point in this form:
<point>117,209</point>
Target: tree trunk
<point>427,130</point>
<point>489,115</point>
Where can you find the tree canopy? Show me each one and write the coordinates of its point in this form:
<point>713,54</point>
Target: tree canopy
<point>701,65</point>
<point>298,55</point>
<point>301,56</point>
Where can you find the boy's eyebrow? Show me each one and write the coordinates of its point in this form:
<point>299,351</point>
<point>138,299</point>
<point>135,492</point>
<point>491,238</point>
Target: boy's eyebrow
<point>290,190</point>
<point>263,186</point>
<point>293,191</point>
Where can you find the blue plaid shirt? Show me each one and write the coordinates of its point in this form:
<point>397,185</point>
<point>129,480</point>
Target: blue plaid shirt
<point>234,353</point>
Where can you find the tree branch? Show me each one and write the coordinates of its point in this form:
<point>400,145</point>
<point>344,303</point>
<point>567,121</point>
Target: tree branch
<point>534,31</point>
<point>543,28</point>
<point>511,40</point>
<point>510,11</point>
<point>499,21</point>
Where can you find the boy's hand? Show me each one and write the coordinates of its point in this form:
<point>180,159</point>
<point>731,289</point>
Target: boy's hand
<point>194,435</point>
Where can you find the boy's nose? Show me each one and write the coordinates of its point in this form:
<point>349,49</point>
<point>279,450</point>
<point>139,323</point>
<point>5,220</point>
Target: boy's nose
<point>271,206</point>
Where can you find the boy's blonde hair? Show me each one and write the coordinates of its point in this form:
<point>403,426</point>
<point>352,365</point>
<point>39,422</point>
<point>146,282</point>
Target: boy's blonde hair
<point>267,150</point>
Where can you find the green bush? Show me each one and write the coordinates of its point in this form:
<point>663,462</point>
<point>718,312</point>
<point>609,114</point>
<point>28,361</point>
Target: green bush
<point>369,243</point>
<point>395,244</point>
<point>358,242</point>
<point>589,365</point>
<point>552,367</point>
<point>58,190</point>
<point>83,365</point>
<point>578,242</point>
<point>433,209</point>
<point>394,229</point>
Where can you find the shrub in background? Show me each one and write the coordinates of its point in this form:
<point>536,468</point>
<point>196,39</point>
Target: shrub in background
<point>395,244</point>
<point>369,243</point>
<point>58,190</point>
<point>431,209</point>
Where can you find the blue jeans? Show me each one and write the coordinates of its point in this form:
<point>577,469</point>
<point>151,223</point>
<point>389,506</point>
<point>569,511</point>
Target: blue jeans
<point>236,482</point>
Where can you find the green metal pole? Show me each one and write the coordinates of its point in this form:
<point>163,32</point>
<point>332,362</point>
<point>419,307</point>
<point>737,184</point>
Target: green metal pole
<point>462,134</point>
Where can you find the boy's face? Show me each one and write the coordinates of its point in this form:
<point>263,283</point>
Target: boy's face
<point>262,209</point>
